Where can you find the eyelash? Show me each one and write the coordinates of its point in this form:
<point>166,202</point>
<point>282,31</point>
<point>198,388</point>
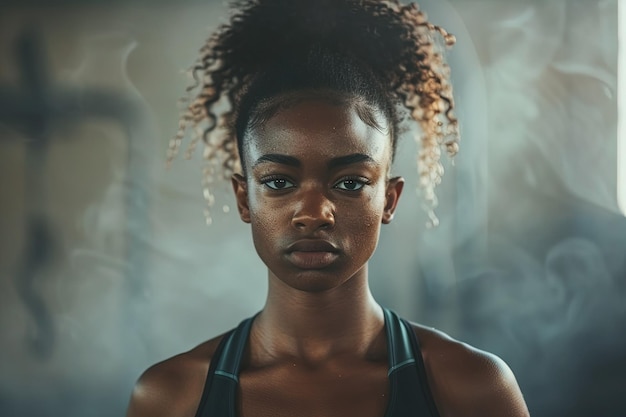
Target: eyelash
<point>358,180</point>
<point>361,181</point>
<point>268,180</point>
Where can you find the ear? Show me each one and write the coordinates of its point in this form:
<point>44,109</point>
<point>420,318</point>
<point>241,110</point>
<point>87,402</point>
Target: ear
<point>392,195</point>
<point>240,187</point>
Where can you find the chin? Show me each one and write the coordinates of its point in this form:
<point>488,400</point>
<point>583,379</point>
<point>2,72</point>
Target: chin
<point>315,281</point>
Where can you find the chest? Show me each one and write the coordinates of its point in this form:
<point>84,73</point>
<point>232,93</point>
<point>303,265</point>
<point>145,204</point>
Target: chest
<point>292,391</point>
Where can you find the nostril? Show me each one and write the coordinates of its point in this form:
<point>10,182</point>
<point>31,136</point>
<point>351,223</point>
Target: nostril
<point>313,222</point>
<point>325,225</point>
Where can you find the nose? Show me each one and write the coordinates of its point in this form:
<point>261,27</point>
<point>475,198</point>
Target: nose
<point>314,211</point>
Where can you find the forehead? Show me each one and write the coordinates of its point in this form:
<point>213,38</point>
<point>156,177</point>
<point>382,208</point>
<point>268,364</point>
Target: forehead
<point>317,127</point>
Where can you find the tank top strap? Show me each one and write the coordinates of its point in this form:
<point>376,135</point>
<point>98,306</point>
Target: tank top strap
<point>220,388</point>
<point>398,342</point>
<point>230,361</point>
<point>410,394</point>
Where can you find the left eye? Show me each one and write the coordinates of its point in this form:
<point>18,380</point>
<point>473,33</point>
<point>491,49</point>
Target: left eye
<point>278,184</point>
<point>350,185</point>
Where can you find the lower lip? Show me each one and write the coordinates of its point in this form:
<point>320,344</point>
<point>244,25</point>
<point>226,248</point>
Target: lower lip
<point>312,260</point>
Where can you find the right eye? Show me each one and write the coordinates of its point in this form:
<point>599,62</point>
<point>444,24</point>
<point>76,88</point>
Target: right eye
<point>278,184</point>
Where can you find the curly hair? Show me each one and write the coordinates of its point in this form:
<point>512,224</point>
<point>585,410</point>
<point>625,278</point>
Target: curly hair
<point>382,52</point>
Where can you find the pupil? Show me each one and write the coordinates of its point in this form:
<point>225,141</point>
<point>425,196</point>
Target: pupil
<point>279,183</point>
<point>350,184</point>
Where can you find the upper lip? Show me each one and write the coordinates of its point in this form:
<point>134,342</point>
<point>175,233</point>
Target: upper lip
<point>312,245</point>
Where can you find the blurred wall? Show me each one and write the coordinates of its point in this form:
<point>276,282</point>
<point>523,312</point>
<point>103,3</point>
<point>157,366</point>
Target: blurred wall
<point>106,265</point>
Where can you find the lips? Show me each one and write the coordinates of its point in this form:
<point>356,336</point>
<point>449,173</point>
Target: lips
<point>312,245</point>
<point>312,254</point>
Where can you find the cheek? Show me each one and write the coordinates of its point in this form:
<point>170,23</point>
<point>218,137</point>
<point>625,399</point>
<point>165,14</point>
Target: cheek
<point>263,215</point>
<point>375,205</point>
<point>264,224</point>
<point>268,219</point>
<point>365,218</point>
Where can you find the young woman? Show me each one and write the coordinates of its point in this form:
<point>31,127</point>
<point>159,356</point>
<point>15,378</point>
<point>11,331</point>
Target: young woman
<point>315,92</point>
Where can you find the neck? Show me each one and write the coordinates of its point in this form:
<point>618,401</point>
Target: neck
<point>314,326</point>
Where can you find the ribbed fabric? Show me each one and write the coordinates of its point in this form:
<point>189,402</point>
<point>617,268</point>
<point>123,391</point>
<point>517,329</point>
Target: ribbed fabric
<point>410,395</point>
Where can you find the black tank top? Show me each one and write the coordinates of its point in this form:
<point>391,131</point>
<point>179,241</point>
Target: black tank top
<point>410,395</point>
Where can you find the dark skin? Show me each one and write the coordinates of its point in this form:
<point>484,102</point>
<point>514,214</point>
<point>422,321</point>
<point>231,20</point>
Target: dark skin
<point>317,173</point>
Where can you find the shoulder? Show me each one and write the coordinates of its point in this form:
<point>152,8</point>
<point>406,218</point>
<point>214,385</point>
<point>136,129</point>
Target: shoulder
<point>466,381</point>
<point>173,388</point>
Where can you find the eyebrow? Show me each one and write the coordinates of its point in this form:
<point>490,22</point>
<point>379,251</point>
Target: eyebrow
<point>277,159</point>
<point>339,161</point>
<point>354,158</point>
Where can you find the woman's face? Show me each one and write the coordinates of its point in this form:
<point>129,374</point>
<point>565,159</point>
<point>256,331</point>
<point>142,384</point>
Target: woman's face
<point>316,192</point>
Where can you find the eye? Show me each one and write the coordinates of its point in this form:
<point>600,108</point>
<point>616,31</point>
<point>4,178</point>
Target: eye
<point>350,184</point>
<point>278,184</point>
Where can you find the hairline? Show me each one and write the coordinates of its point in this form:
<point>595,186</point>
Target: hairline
<point>266,108</point>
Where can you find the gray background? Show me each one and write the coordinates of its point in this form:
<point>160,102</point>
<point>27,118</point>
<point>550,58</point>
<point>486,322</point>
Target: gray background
<point>106,265</point>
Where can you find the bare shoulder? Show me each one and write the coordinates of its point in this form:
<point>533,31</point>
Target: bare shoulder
<point>173,388</point>
<point>466,381</point>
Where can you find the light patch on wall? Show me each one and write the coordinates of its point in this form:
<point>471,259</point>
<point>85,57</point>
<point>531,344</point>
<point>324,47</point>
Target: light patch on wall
<point>621,108</point>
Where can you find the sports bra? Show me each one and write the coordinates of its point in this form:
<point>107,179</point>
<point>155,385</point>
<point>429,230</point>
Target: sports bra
<point>410,394</point>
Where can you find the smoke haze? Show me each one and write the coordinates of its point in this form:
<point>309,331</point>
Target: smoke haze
<point>529,260</point>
